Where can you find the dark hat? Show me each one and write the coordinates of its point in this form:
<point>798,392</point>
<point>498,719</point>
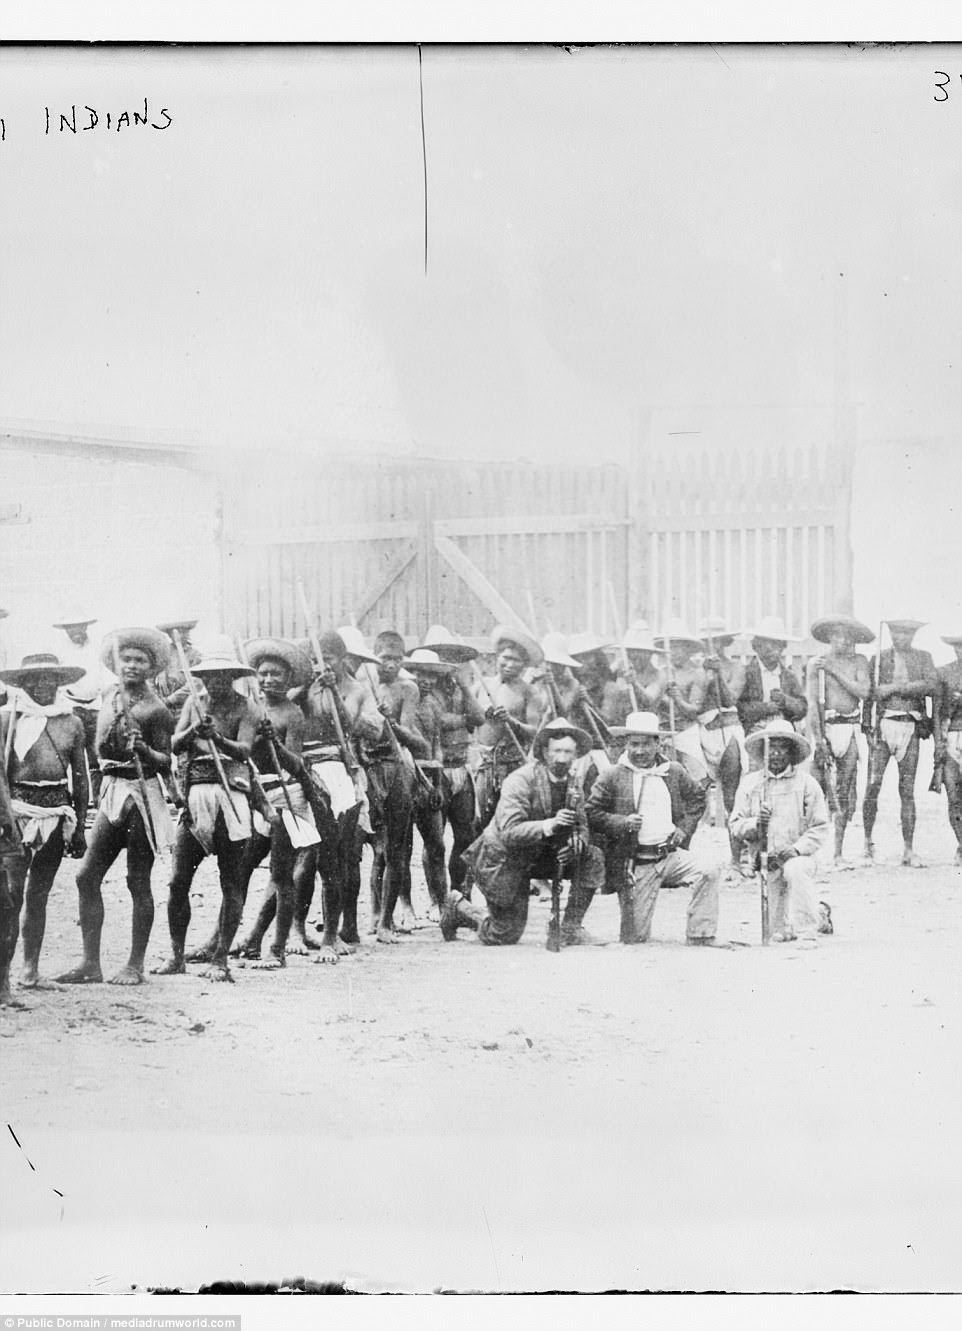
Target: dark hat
<point>150,641</point>
<point>821,630</point>
<point>280,649</point>
<point>559,729</point>
<point>503,633</point>
<point>41,663</point>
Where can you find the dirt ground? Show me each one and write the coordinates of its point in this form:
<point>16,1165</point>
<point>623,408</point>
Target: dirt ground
<point>446,1115</point>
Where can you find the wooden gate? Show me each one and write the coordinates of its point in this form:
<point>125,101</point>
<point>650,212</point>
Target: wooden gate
<point>745,532</point>
<point>407,544</point>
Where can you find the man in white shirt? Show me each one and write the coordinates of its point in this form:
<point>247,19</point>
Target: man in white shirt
<point>781,808</point>
<point>649,808</point>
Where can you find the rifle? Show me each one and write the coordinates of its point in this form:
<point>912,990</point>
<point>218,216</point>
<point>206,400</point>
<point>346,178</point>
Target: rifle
<point>876,714</point>
<point>828,767</point>
<point>938,776</point>
<point>553,942</point>
<point>619,634</point>
<point>718,683</point>
<point>195,700</point>
<point>670,671</point>
<point>508,726</point>
<point>763,852</point>
<point>138,765</point>
<point>347,753</point>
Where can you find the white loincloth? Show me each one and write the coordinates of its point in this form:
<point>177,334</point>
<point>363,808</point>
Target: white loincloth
<point>897,736</point>
<point>715,740</point>
<point>953,746</point>
<point>689,751</point>
<point>38,824</point>
<point>337,781</point>
<point>205,801</point>
<point>117,790</point>
<point>278,800</point>
<point>839,735</point>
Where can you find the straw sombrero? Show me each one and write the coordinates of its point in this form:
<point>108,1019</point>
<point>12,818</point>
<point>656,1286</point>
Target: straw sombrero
<point>41,663</point>
<point>147,640</point>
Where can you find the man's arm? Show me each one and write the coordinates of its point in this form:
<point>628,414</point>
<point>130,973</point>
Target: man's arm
<point>694,799</point>
<point>817,826</point>
<point>81,791</point>
<point>159,725</point>
<point>514,816</point>
<point>406,726</point>
<point>920,687</point>
<point>600,808</point>
<point>743,822</point>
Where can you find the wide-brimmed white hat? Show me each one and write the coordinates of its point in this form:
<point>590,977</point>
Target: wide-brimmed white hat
<point>503,633</point>
<point>354,644</point>
<point>778,728</point>
<point>712,630</point>
<point>555,648</point>
<point>637,723</point>
<point>280,649</point>
<point>909,625</point>
<point>41,663</point>
<point>586,644</point>
<point>770,628</point>
<point>448,645</point>
<point>676,632</point>
<point>640,638</point>
<point>424,659</point>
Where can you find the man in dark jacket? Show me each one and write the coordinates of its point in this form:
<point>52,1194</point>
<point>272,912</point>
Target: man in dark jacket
<point>538,826</point>
<point>770,688</point>
<point>649,808</point>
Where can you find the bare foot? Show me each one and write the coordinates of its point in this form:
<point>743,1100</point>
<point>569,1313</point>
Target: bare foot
<point>172,967</point>
<point>7,1000</point>
<point>384,935</point>
<point>127,975</point>
<point>82,974</point>
<point>248,951</point>
<point>434,913</point>
<point>299,944</point>
<point>204,953</point>
<point>911,860</point>
<point>218,973</point>
<point>272,962</point>
<point>408,921</point>
<point>841,866</point>
<point>327,956</point>
<point>868,854</point>
<point>31,980</point>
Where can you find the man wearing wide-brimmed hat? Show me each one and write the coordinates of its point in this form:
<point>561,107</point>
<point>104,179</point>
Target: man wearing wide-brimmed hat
<point>947,730</point>
<point>719,728</point>
<point>446,715</point>
<point>539,827</point>
<point>513,712</point>
<point>84,695</point>
<point>279,666</point>
<point>47,772</point>
<point>837,683</point>
<point>902,682</point>
<point>170,684</point>
<point>781,808</point>
<point>133,726</point>
<point>770,688</point>
<point>648,808</point>
<point>335,696</point>
<point>214,749</point>
<point>642,674</point>
<point>684,686</point>
<point>601,694</point>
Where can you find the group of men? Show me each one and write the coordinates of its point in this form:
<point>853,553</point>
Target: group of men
<point>572,760</point>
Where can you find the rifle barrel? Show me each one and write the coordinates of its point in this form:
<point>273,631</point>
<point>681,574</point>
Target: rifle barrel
<point>195,700</point>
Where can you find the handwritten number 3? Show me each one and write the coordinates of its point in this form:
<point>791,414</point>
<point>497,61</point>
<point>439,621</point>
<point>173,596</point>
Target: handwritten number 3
<point>941,87</point>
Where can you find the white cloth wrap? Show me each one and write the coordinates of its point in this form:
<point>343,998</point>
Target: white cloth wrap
<point>278,800</point>
<point>715,740</point>
<point>38,824</point>
<point>897,736</point>
<point>114,794</point>
<point>689,750</point>
<point>205,801</point>
<point>840,735</point>
<point>336,780</point>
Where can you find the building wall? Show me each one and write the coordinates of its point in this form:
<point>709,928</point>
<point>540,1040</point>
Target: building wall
<point>127,542</point>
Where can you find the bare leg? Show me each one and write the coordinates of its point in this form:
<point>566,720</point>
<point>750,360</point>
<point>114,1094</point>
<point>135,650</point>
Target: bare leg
<point>460,815</point>
<point>105,844</point>
<point>43,870</point>
<point>230,857</point>
<point>398,811</point>
<point>953,796</point>
<point>187,856</point>
<point>13,875</point>
<point>255,851</point>
<point>140,863</point>
<point>878,760</point>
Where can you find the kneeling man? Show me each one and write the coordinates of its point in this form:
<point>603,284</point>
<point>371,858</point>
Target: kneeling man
<point>539,826</point>
<point>649,808</point>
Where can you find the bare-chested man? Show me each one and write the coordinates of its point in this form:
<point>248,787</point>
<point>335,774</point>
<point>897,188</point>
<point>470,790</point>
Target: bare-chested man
<point>837,683</point>
<point>392,787</point>
<point>642,674</point>
<point>602,699</point>
<point>513,711</point>
<point>342,812</point>
<point>132,724</point>
<point>47,774</point>
<point>684,689</point>
<point>947,725</point>
<point>215,821</point>
<point>558,684</point>
<point>904,678</point>
<point>280,666</point>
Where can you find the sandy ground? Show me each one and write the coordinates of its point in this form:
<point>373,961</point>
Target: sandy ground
<point>430,1115</point>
